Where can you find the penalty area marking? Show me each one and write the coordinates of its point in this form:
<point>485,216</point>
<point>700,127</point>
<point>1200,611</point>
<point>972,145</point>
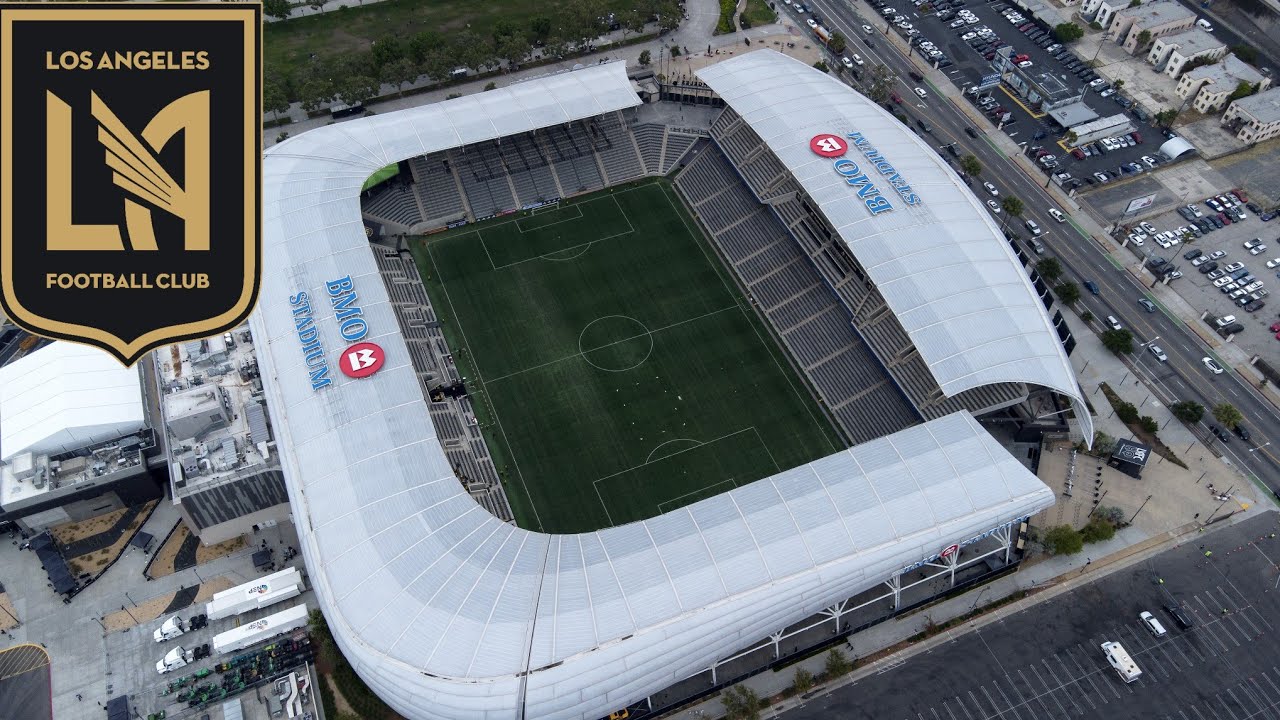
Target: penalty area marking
<point>704,488</point>
<point>576,207</point>
<point>596,483</point>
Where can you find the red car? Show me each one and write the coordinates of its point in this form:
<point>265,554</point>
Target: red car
<point>1078,154</point>
<point>1275,327</point>
<point>1225,218</point>
<point>1240,194</point>
<point>1021,58</point>
<point>896,98</point>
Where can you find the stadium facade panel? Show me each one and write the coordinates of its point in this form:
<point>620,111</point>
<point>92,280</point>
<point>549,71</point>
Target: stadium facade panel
<point>447,612</point>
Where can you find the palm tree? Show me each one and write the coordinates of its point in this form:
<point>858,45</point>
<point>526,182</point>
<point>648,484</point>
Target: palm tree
<point>1012,207</point>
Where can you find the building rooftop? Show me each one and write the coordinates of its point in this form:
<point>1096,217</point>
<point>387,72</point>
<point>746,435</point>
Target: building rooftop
<point>29,477</point>
<point>1073,114</point>
<point>1193,42</point>
<point>1229,73</point>
<point>65,396</point>
<point>1101,124</point>
<point>1263,107</point>
<point>1156,14</point>
<point>213,415</point>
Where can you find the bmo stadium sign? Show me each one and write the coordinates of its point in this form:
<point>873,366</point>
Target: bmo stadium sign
<point>360,359</point>
<point>835,147</point>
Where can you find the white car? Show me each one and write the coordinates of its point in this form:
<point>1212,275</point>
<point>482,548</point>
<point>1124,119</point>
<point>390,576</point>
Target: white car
<point>990,188</point>
<point>867,29</point>
<point>1056,214</point>
<point>1025,64</point>
<point>1147,227</point>
<point>1137,239</point>
<point>1213,367</point>
<point>921,92</point>
<point>1273,264</point>
<point>1150,161</point>
<point>1113,323</point>
<point>846,62</point>
<point>995,206</point>
<point>857,59</point>
<point>1102,178</point>
<point>1158,352</point>
<point>1222,281</point>
<point>967,37</point>
<point>1258,250</point>
<point>810,23</point>
<point>1252,243</point>
<point>1234,266</point>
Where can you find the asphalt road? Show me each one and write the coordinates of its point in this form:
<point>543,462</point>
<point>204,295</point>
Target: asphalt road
<point>1046,661</point>
<point>1184,376</point>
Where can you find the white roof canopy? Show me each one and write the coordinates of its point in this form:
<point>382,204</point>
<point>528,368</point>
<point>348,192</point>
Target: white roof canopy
<point>942,264</point>
<point>65,396</point>
<point>447,612</point>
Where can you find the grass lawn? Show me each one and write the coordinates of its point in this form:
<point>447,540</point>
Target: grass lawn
<point>288,45</point>
<point>758,13</point>
<point>616,371</point>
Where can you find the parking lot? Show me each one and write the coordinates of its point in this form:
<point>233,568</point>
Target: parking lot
<point>961,38</point>
<point>1046,661</point>
<point>1222,247</point>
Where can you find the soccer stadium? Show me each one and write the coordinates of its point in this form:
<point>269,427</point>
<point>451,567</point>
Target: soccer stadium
<point>587,401</point>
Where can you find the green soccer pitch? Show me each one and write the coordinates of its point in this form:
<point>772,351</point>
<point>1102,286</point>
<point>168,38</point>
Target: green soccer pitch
<point>616,371</point>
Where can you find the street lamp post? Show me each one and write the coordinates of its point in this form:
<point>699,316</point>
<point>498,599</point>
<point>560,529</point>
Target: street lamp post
<point>1256,449</point>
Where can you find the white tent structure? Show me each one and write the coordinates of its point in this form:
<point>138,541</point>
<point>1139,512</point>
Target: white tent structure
<point>447,612</point>
<point>65,396</point>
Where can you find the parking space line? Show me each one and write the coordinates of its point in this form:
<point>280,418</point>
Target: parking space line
<point>1236,700</point>
<point>1061,685</point>
<point>1088,675</point>
<point>1176,644</point>
<point>981,711</point>
<point>1051,692</point>
<point>994,705</point>
<point>1259,696</point>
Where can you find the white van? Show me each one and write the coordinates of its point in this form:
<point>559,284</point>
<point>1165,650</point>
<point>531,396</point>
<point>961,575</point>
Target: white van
<point>1204,25</point>
<point>1152,624</point>
<point>1056,214</point>
<point>1033,227</point>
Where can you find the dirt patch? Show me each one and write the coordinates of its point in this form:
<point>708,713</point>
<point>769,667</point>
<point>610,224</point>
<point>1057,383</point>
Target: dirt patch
<point>162,560</point>
<point>209,553</point>
<point>97,561</point>
<point>344,707</point>
<point>151,608</point>
<point>8,616</point>
<point>70,532</point>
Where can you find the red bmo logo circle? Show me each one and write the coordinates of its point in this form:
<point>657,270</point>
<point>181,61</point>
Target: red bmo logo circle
<point>361,360</point>
<point>828,145</point>
<point>948,551</point>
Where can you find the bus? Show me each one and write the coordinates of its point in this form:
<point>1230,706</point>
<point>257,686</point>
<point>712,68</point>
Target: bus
<point>1120,660</point>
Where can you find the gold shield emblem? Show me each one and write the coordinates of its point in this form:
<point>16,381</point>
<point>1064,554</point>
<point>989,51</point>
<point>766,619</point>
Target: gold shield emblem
<point>130,163</point>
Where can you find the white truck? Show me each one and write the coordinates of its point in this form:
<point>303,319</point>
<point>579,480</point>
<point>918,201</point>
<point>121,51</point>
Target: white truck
<point>261,630</point>
<point>172,628</point>
<point>174,659</point>
<point>255,594</point>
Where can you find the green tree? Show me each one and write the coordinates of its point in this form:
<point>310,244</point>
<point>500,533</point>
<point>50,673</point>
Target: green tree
<point>490,86</point>
<point>675,51</point>
<point>1243,89</point>
<point>1134,3</point>
<point>540,28</point>
<point>1098,530</point>
<point>1117,83</point>
<point>1012,207</point>
<point>1063,540</point>
<point>632,22</point>
<point>1228,415</point>
<point>837,664</point>
<point>274,98</point>
<point>1165,118</point>
<point>423,44</point>
<point>1113,515</point>
<point>279,9</point>
<point>317,5</point>
<point>314,93</point>
<point>879,80</point>
<point>1144,37</point>
<point>741,703</point>
<point>1126,411</point>
<point>402,71</point>
<point>1050,269</point>
<point>1149,424</point>
<point>669,15</point>
<point>821,65</point>
<point>971,166</point>
<point>1068,293</point>
<point>645,58</point>
<point>1246,53</point>
<point>1103,444</point>
<point>387,50</point>
<point>513,48</point>
<point>1119,342</point>
<point>357,89</point>
<point>1068,32</point>
<point>803,681</point>
<point>1188,411</point>
<point>837,43</point>
<point>1071,137</point>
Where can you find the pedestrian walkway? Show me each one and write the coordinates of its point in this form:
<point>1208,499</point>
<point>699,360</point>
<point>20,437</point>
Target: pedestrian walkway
<point>305,10</point>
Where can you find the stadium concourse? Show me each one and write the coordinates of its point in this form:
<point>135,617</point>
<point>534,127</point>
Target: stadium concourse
<point>448,611</point>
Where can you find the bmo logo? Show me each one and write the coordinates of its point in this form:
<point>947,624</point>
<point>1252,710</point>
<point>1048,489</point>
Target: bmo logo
<point>948,551</point>
<point>361,360</point>
<point>828,145</point>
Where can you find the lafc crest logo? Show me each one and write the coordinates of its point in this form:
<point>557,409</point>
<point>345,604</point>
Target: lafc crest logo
<point>129,170</point>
